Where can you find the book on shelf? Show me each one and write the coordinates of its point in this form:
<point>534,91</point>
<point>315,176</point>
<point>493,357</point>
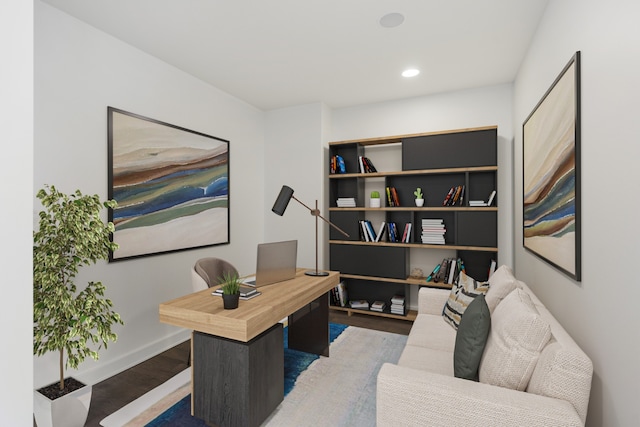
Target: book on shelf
<point>406,234</point>
<point>346,202</point>
<point>491,197</point>
<point>492,267</point>
<point>337,164</point>
<point>381,232</point>
<point>477,203</point>
<point>392,232</point>
<point>455,196</point>
<point>448,197</point>
<point>397,299</point>
<point>447,271</point>
<point>393,199</point>
<point>433,231</point>
<point>342,294</point>
<point>367,232</point>
<point>378,306</point>
<point>359,304</point>
<point>365,165</point>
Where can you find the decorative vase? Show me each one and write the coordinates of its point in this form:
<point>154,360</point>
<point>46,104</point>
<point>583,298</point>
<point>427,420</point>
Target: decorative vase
<point>419,202</point>
<point>230,301</point>
<point>374,203</point>
<point>70,410</point>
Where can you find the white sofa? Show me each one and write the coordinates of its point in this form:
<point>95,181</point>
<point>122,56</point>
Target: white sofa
<point>519,385</point>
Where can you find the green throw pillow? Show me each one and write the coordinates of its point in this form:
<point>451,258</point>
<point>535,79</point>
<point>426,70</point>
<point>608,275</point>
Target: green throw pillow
<point>471,339</point>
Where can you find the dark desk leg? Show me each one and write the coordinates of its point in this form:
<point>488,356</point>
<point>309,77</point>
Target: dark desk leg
<point>309,327</point>
<point>237,383</point>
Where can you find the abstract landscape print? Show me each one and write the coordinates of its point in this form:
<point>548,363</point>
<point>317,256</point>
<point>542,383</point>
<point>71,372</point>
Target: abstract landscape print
<point>551,208</point>
<point>171,185</point>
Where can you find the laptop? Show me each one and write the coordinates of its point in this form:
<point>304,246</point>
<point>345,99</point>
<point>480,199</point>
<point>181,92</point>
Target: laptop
<point>276,262</point>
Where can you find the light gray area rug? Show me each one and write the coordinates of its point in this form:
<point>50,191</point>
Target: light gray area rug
<point>340,390</point>
<point>336,391</point>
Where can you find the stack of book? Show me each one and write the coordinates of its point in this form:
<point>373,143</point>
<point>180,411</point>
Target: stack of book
<point>368,233</point>
<point>378,306</point>
<point>337,165</point>
<point>359,304</point>
<point>346,202</point>
<point>433,231</point>
<point>397,305</point>
<point>246,292</point>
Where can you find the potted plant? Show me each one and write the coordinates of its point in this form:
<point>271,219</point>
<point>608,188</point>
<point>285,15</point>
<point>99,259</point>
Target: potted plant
<point>68,319</point>
<point>230,290</point>
<point>374,200</point>
<point>419,197</point>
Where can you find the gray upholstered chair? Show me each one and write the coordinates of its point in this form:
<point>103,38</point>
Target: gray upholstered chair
<point>206,272</point>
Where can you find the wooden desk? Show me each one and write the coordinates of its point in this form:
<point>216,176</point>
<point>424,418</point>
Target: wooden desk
<point>238,355</point>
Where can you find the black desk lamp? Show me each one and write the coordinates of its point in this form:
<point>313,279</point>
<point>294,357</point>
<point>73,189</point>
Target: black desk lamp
<point>286,194</point>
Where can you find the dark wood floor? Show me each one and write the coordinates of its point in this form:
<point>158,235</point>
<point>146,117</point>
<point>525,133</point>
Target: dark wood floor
<point>115,392</point>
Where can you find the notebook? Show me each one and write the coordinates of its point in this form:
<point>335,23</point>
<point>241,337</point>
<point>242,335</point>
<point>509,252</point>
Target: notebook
<point>276,262</point>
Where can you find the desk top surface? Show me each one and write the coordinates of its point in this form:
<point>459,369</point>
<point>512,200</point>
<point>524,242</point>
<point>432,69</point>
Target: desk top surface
<point>204,312</point>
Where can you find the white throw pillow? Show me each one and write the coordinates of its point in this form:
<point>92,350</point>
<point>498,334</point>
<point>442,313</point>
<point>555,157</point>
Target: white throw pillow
<point>518,335</point>
<point>502,282</point>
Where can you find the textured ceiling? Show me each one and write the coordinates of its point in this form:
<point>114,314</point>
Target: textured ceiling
<point>280,53</point>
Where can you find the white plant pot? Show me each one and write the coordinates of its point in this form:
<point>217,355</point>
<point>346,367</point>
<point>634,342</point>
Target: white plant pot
<point>374,203</point>
<point>419,202</point>
<point>70,410</point>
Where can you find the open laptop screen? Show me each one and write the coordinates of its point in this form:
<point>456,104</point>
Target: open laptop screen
<point>276,262</point>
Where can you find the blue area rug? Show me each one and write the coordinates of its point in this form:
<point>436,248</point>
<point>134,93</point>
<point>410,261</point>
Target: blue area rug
<point>295,362</point>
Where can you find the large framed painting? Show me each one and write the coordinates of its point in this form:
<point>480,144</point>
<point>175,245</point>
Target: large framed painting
<point>171,185</point>
<point>551,174</point>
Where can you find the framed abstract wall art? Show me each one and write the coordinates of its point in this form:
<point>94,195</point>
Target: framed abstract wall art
<point>551,174</point>
<point>171,185</point>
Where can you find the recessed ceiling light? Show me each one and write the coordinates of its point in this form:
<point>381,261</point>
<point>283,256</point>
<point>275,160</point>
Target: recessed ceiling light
<point>411,72</point>
<point>391,20</point>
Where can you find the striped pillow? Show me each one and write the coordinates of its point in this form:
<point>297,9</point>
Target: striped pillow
<point>462,293</point>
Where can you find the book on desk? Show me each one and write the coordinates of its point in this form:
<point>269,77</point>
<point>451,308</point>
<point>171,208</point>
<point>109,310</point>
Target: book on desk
<point>246,292</point>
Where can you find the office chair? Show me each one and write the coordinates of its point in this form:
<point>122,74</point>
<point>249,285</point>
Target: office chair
<point>206,272</point>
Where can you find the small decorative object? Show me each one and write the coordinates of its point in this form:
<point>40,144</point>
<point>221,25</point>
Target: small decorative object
<point>419,197</point>
<point>70,235</point>
<point>416,273</point>
<point>374,201</point>
<point>230,290</point>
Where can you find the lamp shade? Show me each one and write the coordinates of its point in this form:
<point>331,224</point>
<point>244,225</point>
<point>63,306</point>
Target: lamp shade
<point>283,200</point>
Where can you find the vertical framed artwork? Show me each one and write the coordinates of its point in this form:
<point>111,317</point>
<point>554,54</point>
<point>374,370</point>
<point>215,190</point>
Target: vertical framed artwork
<point>551,174</point>
<point>171,185</point>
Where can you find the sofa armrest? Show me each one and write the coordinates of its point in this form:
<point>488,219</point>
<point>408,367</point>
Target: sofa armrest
<point>412,397</point>
<point>432,300</point>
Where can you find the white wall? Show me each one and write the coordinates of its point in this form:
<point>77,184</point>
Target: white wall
<point>16,175</point>
<point>599,312</point>
<point>79,71</point>
<point>456,110</point>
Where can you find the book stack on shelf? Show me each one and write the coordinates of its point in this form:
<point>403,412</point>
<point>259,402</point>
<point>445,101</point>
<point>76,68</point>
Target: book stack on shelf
<point>394,235</point>
<point>447,271</point>
<point>346,202</point>
<point>378,306</point>
<point>359,304</point>
<point>337,165</point>
<point>365,165</point>
<point>455,196</point>
<point>397,305</point>
<point>339,295</point>
<point>477,203</point>
<point>392,197</point>
<point>433,231</point>
<point>368,233</point>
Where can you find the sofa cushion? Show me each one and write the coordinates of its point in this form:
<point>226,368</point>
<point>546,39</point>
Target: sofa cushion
<point>471,339</point>
<point>518,335</point>
<point>427,359</point>
<point>430,331</point>
<point>462,293</point>
<point>501,282</point>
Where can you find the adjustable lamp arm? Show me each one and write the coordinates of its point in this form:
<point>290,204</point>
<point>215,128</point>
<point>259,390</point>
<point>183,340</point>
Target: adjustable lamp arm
<point>316,212</point>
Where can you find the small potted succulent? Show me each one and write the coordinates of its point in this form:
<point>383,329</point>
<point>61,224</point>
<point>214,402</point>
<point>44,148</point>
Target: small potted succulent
<point>419,197</point>
<point>374,201</point>
<point>230,290</point>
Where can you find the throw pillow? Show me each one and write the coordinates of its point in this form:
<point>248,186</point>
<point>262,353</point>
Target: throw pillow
<point>471,339</point>
<point>502,282</point>
<point>462,294</point>
<point>517,337</point>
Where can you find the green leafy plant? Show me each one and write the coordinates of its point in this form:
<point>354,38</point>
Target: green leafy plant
<point>418,193</point>
<point>375,195</point>
<point>230,283</point>
<point>70,235</point>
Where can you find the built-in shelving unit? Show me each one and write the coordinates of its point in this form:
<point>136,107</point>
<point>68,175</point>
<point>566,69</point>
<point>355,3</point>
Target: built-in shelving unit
<point>434,161</point>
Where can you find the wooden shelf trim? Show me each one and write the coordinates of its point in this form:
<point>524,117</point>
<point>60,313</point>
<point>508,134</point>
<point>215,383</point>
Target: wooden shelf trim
<point>409,280</point>
<point>399,138</point>
<point>411,314</point>
<point>413,172</point>
<point>414,245</point>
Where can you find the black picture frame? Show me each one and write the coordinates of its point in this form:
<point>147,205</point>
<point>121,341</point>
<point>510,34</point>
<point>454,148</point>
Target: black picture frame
<point>171,185</point>
<point>551,174</point>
